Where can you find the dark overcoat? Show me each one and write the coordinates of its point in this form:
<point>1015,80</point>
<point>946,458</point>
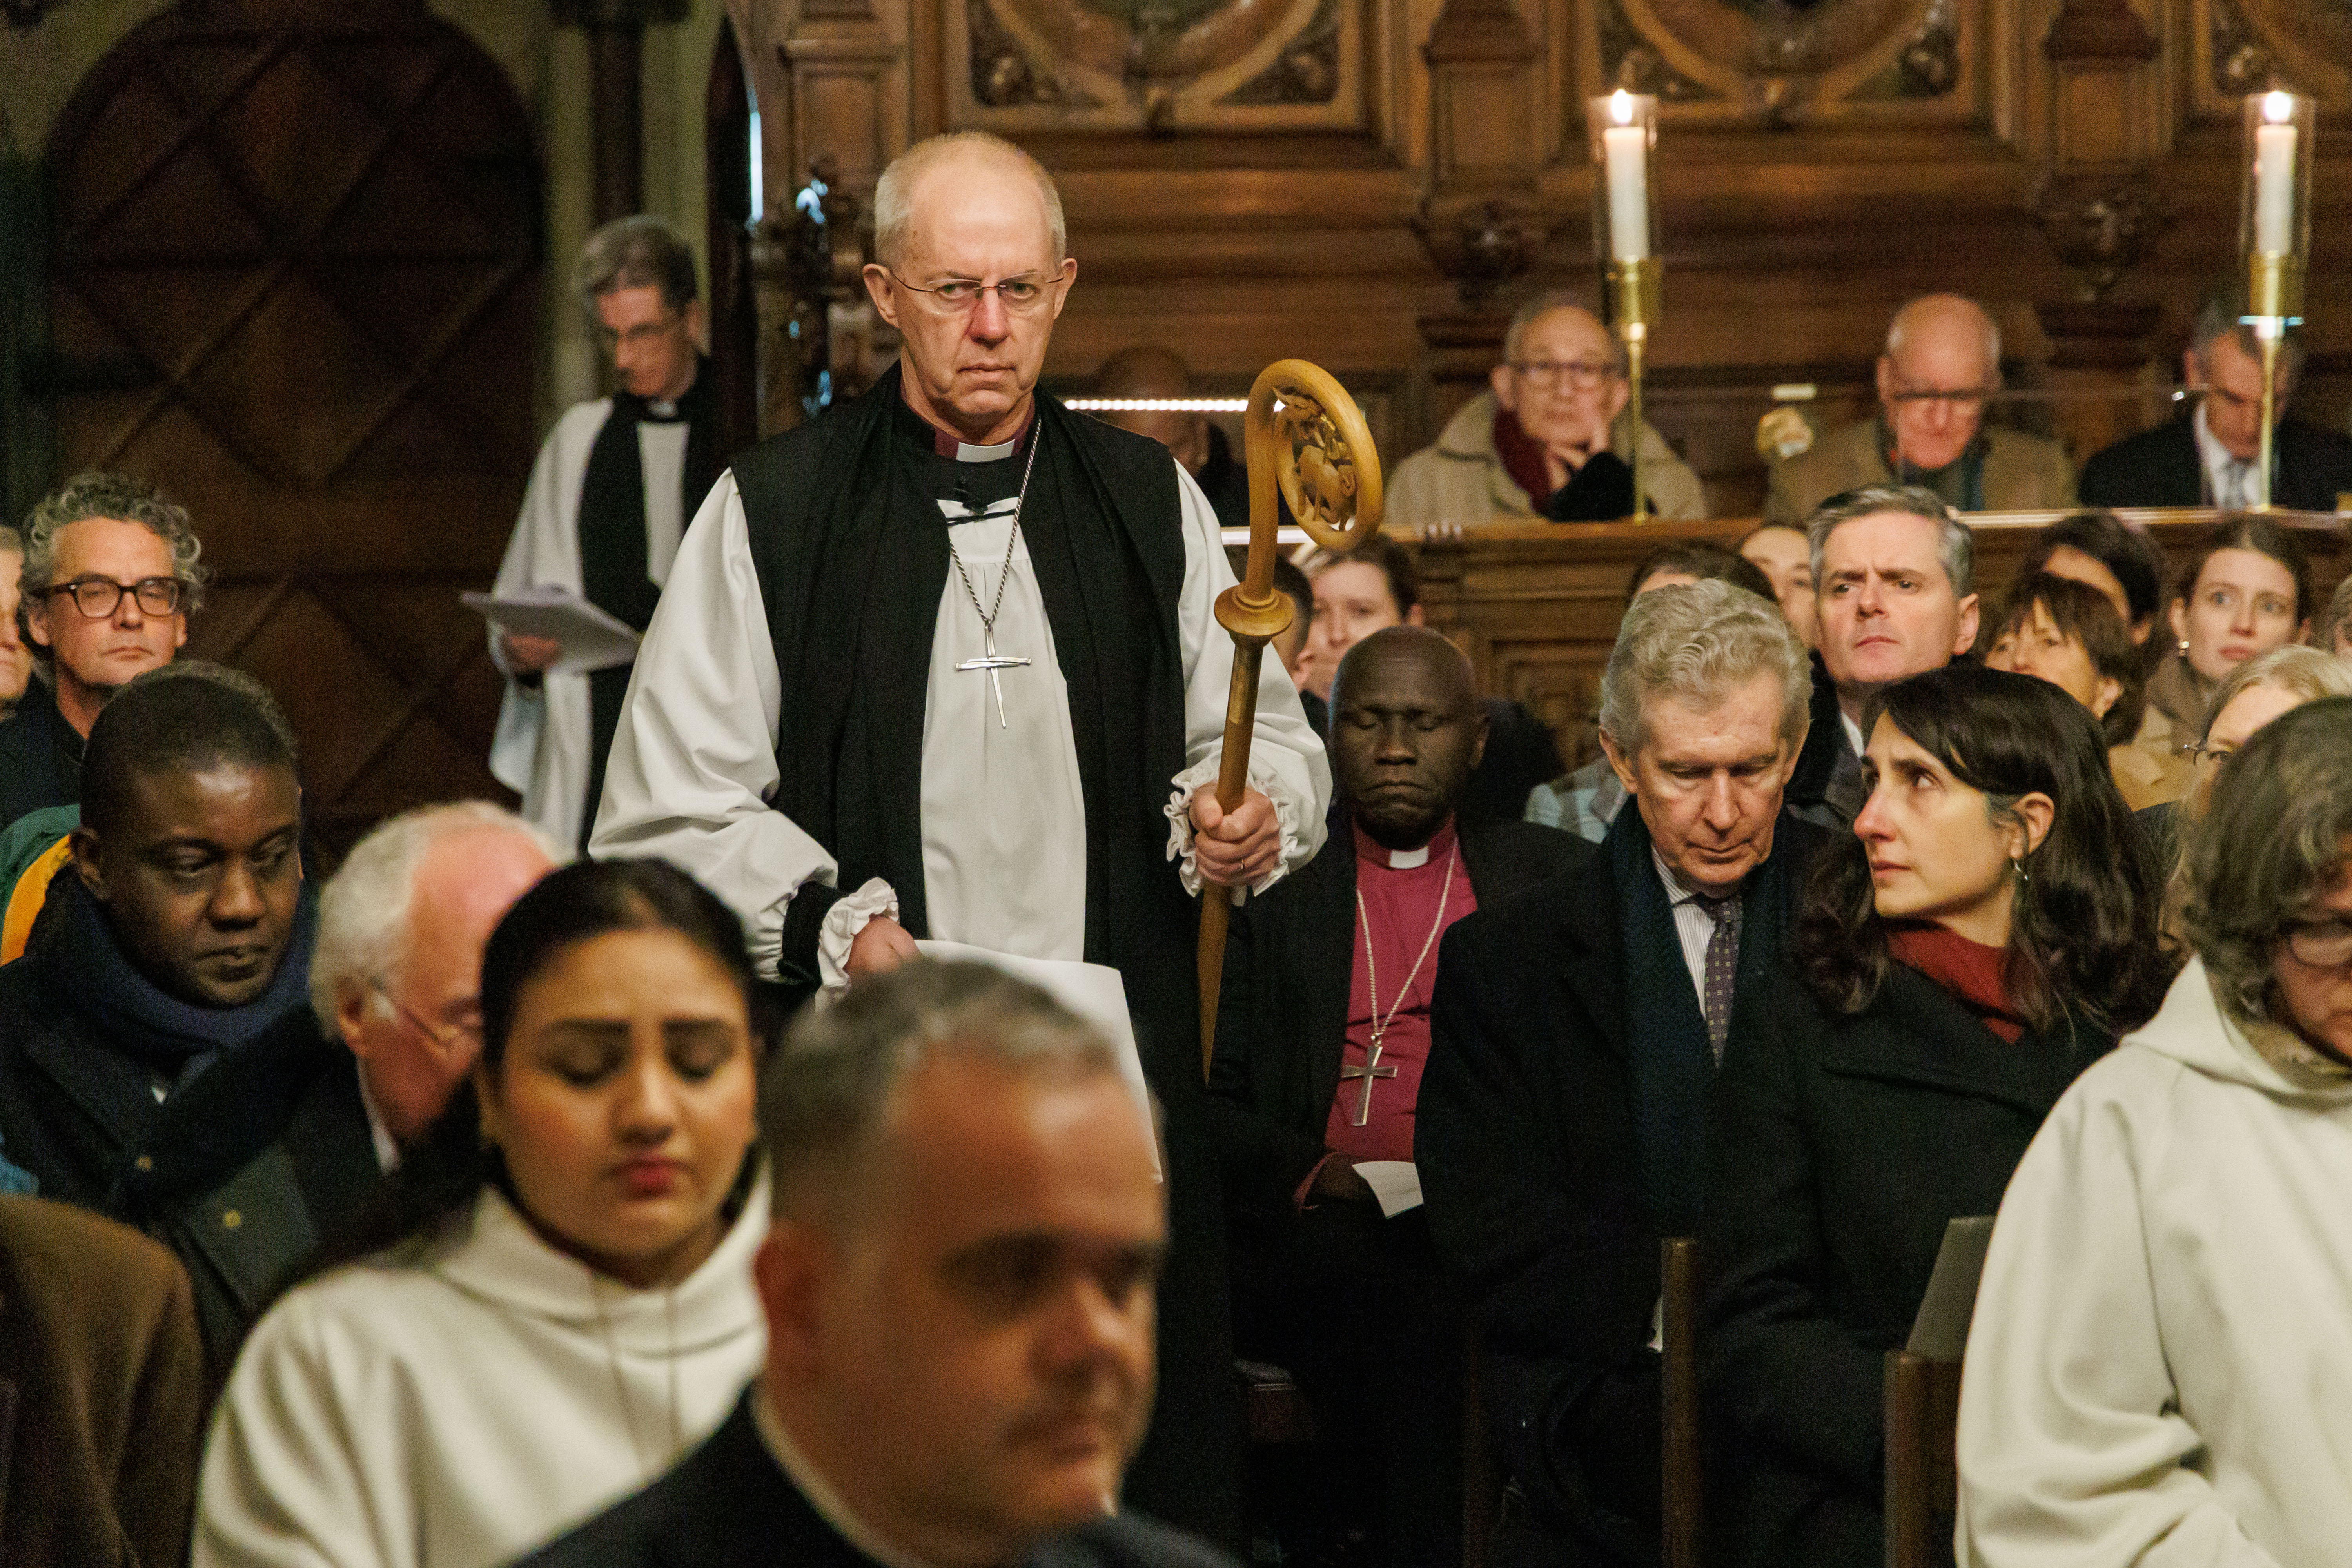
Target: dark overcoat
<point>1531,1154</point>
<point>1840,1147</point>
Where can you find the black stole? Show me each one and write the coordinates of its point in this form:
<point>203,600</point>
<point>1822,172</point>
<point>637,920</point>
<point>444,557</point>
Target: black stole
<point>1670,1060</point>
<point>613,541</point>
<point>851,553</point>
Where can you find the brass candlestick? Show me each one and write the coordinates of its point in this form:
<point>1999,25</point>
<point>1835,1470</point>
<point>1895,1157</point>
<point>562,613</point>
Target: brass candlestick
<point>1634,293</point>
<point>2273,302</point>
<point>1623,129</point>
<point>2275,235</point>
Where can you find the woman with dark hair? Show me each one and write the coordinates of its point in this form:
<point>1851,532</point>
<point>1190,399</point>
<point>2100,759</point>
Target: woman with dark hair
<point>2246,591</point>
<point>554,1301</point>
<point>2099,550</point>
<point>1984,935</point>
<point>2162,1351</point>
<point>2065,631</point>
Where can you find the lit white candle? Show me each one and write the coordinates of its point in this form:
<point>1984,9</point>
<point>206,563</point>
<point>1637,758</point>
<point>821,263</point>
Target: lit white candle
<point>2274,178</point>
<point>1626,156</point>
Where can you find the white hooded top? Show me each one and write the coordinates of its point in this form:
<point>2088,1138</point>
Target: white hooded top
<point>462,1411</point>
<point>2160,1371</point>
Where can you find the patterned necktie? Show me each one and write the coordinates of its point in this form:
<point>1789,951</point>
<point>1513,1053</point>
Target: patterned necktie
<point>1722,967</point>
<point>2241,490</point>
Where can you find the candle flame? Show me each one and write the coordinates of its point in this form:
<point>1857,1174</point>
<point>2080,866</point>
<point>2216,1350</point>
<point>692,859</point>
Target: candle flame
<point>2278,108</point>
<point>1621,107</point>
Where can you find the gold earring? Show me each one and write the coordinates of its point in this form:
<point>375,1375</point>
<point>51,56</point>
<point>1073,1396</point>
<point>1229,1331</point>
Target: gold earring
<point>2184,648</point>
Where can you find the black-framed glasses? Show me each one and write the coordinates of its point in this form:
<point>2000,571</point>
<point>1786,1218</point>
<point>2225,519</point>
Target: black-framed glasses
<point>1952,396</point>
<point>97,597</point>
<point>1022,295</point>
<point>1582,375</point>
<point>452,1038</point>
<point>2320,944</point>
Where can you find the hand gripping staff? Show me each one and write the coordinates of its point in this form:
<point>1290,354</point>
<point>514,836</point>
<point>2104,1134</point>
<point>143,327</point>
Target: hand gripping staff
<point>1305,435</point>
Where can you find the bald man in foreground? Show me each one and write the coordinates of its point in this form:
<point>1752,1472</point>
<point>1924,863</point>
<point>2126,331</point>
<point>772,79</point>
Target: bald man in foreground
<point>945,664</point>
<point>1148,373</point>
<point>959,1292</point>
<point>1942,362</point>
<point>1321,1039</point>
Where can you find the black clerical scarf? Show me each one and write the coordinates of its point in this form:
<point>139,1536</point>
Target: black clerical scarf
<point>851,552</point>
<point>613,536</point>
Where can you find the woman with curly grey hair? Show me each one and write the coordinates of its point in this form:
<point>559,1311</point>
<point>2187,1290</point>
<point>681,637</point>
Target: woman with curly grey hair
<point>2162,1351</point>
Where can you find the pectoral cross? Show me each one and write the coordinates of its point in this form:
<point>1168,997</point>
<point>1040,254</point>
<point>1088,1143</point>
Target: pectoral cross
<point>992,662</point>
<point>1369,1072</point>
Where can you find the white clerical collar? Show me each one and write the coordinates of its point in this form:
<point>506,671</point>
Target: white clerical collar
<point>1408,859</point>
<point>819,1492</point>
<point>966,452</point>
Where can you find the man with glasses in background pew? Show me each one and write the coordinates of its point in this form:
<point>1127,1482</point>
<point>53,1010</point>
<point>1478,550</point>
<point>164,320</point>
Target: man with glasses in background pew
<point>1549,437</point>
<point>1942,364</point>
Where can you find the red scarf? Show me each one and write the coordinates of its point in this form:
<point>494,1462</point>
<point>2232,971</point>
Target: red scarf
<point>1523,458</point>
<point>1975,973</point>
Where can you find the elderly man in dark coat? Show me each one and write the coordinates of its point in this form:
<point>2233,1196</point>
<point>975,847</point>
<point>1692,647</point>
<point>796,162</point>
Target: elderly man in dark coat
<point>1577,1028</point>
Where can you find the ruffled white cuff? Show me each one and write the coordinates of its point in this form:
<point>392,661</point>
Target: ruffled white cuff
<point>1264,780</point>
<point>841,925</point>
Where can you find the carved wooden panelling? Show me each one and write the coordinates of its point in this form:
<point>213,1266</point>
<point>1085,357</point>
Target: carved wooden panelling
<point>1156,64</point>
<point>315,229</point>
<point>1774,62</point>
<point>2245,46</point>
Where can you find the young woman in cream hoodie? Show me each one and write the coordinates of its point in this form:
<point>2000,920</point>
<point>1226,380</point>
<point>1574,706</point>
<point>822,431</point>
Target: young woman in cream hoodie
<point>2160,1367</point>
<point>559,1303</point>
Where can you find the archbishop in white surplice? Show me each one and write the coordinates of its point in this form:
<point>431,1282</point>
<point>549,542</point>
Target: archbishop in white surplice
<point>1003,820</point>
<point>945,663</point>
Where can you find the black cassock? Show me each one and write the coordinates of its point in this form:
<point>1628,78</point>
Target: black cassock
<point>852,560</point>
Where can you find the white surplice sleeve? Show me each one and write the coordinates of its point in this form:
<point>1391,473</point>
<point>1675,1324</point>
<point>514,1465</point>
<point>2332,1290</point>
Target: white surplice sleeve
<point>540,748</point>
<point>1286,761</point>
<point>694,761</point>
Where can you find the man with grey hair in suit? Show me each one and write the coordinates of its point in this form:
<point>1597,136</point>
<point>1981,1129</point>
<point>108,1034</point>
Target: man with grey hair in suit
<point>1895,583</point>
<point>1575,1036</point>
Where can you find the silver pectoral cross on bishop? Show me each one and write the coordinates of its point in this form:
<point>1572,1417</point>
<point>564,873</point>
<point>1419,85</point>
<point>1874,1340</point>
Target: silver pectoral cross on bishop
<point>992,662</point>
<point>1369,1072</point>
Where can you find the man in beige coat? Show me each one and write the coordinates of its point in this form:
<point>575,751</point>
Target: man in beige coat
<point>1557,398</point>
<point>1942,361</point>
